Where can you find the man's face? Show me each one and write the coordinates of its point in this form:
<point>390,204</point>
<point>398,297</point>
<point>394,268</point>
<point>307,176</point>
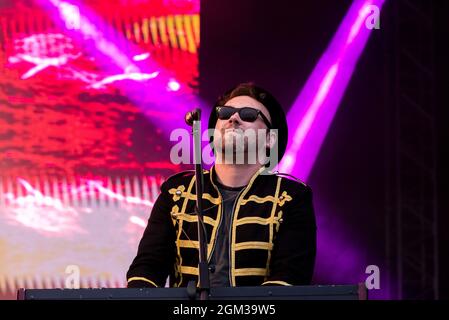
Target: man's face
<point>236,134</point>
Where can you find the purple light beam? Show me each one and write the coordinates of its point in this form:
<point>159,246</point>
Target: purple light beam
<point>338,260</point>
<point>315,107</point>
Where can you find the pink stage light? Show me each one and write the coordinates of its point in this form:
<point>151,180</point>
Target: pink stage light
<point>55,214</point>
<point>315,107</point>
<point>159,86</point>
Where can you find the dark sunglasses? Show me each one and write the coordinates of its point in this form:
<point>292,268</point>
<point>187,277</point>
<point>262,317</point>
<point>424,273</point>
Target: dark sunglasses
<point>246,114</point>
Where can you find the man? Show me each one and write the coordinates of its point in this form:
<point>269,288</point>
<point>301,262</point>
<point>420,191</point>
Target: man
<point>260,227</point>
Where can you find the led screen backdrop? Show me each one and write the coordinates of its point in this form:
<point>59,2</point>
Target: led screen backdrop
<point>88,91</point>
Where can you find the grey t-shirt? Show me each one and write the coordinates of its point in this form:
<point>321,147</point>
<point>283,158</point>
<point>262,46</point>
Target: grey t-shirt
<point>219,263</point>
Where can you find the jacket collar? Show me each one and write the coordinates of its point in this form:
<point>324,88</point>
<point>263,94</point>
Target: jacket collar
<point>213,177</point>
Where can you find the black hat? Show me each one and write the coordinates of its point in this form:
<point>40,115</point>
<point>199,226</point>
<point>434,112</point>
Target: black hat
<point>277,115</point>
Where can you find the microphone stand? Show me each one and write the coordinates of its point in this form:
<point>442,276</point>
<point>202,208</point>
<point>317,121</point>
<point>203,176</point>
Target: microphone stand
<point>194,119</point>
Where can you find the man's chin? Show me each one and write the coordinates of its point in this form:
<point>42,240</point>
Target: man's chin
<point>232,136</point>
<point>233,150</point>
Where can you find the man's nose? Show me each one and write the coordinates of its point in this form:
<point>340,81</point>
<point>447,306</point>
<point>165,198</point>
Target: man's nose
<point>235,118</point>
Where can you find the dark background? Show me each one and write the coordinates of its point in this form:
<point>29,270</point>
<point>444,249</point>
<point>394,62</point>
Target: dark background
<point>277,44</point>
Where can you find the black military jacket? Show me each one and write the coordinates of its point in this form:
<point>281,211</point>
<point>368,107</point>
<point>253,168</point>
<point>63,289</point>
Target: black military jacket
<point>273,233</point>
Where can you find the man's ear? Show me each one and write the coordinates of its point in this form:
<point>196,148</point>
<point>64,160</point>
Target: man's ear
<point>271,138</point>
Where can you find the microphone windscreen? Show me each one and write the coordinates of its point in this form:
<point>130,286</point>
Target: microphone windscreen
<point>191,116</point>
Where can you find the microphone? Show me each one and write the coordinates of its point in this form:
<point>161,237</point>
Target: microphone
<point>191,116</point>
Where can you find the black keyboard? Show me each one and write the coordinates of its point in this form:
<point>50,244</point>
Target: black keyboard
<point>331,292</point>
